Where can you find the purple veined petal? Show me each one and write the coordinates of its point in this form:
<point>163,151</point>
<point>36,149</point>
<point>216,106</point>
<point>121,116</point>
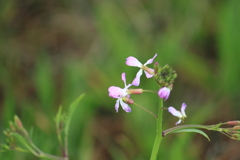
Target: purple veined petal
<point>178,122</point>
<point>117,105</point>
<point>125,106</point>
<point>184,106</point>
<point>124,78</point>
<point>136,81</point>
<point>151,60</point>
<point>114,91</point>
<point>132,61</point>
<point>174,112</point>
<point>149,75</point>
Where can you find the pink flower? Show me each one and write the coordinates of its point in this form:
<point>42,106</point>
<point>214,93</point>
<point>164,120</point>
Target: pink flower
<point>181,115</point>
<point>120,94</point>
<point>164,93</point>
<point>149,72</point>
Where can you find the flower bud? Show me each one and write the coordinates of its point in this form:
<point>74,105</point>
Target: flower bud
<point>135,91</point>
<point>236,127</point>
<point>18,122</point>
<point>129,101</point>
<point>12,127</point>
<point>164,93</point>
<point>233,123</point>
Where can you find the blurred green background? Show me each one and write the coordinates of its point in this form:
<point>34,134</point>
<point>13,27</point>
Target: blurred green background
<point>52,51</point>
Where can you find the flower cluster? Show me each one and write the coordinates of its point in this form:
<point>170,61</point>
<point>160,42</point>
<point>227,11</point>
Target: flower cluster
<point>163,75</point>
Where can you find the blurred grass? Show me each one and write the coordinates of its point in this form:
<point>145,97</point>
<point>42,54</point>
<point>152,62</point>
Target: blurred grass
<point>50,52</point>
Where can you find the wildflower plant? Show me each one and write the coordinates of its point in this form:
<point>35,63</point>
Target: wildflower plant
<point>19,139</point>
<point>164,77</point>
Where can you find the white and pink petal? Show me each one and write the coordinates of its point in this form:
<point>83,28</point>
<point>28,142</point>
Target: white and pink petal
<point>114,91</point>
<point>117,105</point>
<point>125,106</point>
<point>184,106</point>
<point>148,75</point>
<point>174,112</point>
<point>151,60</point>
<point>136,80</point>
<point>132,61</point>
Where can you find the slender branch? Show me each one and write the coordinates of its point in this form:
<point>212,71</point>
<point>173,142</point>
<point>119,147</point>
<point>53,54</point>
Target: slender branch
<point>41,153</point>
<point>66,147</point>
<point>146,110</point>
<point>214,127</point>
<point>59,137</point>
<point>149,91</point>
<point>45,155</point>
<point>158,138</point>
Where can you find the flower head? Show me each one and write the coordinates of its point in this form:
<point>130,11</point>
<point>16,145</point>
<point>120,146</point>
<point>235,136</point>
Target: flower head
<point>164,93</point>
<point>149,72</point>
<point>181,115</point>
<point>121,94</point>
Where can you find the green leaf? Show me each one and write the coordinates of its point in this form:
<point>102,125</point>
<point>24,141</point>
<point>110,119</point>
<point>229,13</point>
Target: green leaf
<point>59,117</point>
<point>71,110</point>
<point>193,130</point>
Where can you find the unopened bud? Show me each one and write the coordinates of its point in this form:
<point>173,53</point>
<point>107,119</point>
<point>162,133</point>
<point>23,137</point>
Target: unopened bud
<point>12,127</point>
<point>164,93</point>
<point>235,136</point>
<point>5,133</point>
<point>129,101</point>
<point>233,123</point>
<point>236,127</point>
<point>135,91</point>
<point>156,68</point>
<point>18,122</point>
<point>20,125</point>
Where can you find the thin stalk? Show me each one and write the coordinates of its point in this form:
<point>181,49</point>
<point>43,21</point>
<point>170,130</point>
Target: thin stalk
<point>158,138</point>
<point>45,155</point>
<point>146,110</point>
<point>42,154</point>
<point>66,147</point>
<point>59,136</point>
<point>149,91</point>
<point>214,127</point>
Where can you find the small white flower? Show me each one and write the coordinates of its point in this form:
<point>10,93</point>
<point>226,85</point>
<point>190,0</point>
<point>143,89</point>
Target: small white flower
<point>181,115</point>
<point>149,72</point>
<point>120,94</point>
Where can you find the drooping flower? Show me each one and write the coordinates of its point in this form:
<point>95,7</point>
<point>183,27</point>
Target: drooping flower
<point>121,94</point>
<point>149,72</point>
<point>181,115</point>
<point>164,93</point>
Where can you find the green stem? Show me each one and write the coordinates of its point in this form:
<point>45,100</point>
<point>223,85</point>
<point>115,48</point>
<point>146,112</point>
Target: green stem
<point>42,154</point>
<point>66,147</point>
<point>158,138</point>
<point>48,156</point>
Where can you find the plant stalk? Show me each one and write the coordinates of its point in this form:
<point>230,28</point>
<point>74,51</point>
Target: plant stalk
<point>158,138</point>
